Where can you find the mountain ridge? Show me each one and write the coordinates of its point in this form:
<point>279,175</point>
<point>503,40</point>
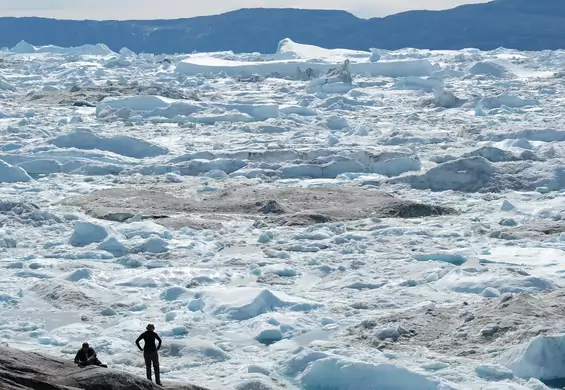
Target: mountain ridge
<point>515,24</point>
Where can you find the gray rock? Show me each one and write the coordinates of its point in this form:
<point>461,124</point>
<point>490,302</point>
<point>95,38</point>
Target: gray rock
<point>286,206</point>
<point>20,370</point>
<point>489,330</point>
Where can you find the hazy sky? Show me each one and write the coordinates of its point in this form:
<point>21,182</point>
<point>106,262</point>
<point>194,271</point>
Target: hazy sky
<point>150,9</point>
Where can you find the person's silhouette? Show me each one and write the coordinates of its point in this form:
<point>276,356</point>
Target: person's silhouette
<point>150,353</point>
<point>86,356</point>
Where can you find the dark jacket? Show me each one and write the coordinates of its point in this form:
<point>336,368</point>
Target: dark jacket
<point>83,356</point>
<point>149,338</point>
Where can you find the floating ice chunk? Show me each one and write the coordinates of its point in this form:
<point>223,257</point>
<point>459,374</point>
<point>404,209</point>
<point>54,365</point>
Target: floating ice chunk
<point>337,123</point>
<point>268,334</point>
<point>175,293</point>
<point>174,178</point>
<point>493,372</point>
<point>266,237</point>
<point>332,140</point>
<point>138,307</point>
<point>131,261</point>
<point>8,242</point>
<point>297,110</point>
<point>489,68</point>
<point>153,264</point>
<point>364,285</point>
<point>450,258</point>
<point>98,50</point>
<point>282,270</point>
<point>428,84</point>
<point>344,238</point>
<point>460,281</point>
<point>135,103</point>
<point>153,245</point>
<point>543,358</point>
<point>432,277</point>
<point>7,298</point>
<point>41,167</point>
<point>108,312</point>
<point>144,229</point>
<point>248,302</point>
<point>196,305</point>
<point>57,342</point>
<point>299,362</point>
<point>399,231</point>
<point>258,369</point>
<point>536,384</point>
<point>435,366</point>
<point>86,233</point>
<point>12,174</point>
<point>216,174</point>
<point>288,49</point>
<point>113,246</point>
<point>197,167</point>
<point>122,145</point>
<point>314,235</point>
<point>125,52</point>
<point>5,85</point>
<point>79,274</point>
<point>340,373</point>
<point>465,174</point>
<point>375,55</point>
<point>204,350</point>
<point>77,331</point>
<point>522,143</point>
<point>176,331</point>
<point>396,166</point>
<point>361,131</point>
<point>302,248</point>
<point>139,282</point>
<point>491,292</point>
<point>205,64</point>
<point>508,100</point>
<point>446,99</point>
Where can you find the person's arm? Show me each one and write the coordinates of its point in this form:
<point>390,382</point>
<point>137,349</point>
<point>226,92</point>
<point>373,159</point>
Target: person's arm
<point>137,342</point>
<point>77,359</point>
<point>159,340</point>
<point>93,355</point>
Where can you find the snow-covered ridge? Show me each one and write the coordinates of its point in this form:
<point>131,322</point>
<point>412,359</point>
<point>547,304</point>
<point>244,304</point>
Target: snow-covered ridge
<point>297,220</point>
<point>97,50</point>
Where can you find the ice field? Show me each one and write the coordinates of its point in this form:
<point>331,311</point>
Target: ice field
<point>311,219</point>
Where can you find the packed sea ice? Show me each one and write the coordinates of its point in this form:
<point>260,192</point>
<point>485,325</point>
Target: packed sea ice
<point>311,219</point>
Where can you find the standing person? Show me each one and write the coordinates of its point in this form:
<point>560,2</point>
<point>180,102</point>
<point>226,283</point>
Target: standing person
<point>150,351</point>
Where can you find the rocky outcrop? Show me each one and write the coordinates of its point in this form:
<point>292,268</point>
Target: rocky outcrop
<point>21,370</point>
<point>281,206</point>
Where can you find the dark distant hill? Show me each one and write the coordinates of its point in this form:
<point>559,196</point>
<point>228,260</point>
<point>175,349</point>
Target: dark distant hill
<point>518,24</point>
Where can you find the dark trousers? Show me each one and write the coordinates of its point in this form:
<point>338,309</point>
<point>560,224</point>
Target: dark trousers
<point>94,362</point>
<point>152,358</point>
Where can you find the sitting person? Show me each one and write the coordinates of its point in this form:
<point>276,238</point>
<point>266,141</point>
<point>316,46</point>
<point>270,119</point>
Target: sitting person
<point>86,356</point>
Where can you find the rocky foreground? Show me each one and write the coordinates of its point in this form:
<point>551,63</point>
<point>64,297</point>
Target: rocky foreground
<point>27,370</point>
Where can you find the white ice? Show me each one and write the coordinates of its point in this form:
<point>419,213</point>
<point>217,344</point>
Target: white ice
<point>240,305</point>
